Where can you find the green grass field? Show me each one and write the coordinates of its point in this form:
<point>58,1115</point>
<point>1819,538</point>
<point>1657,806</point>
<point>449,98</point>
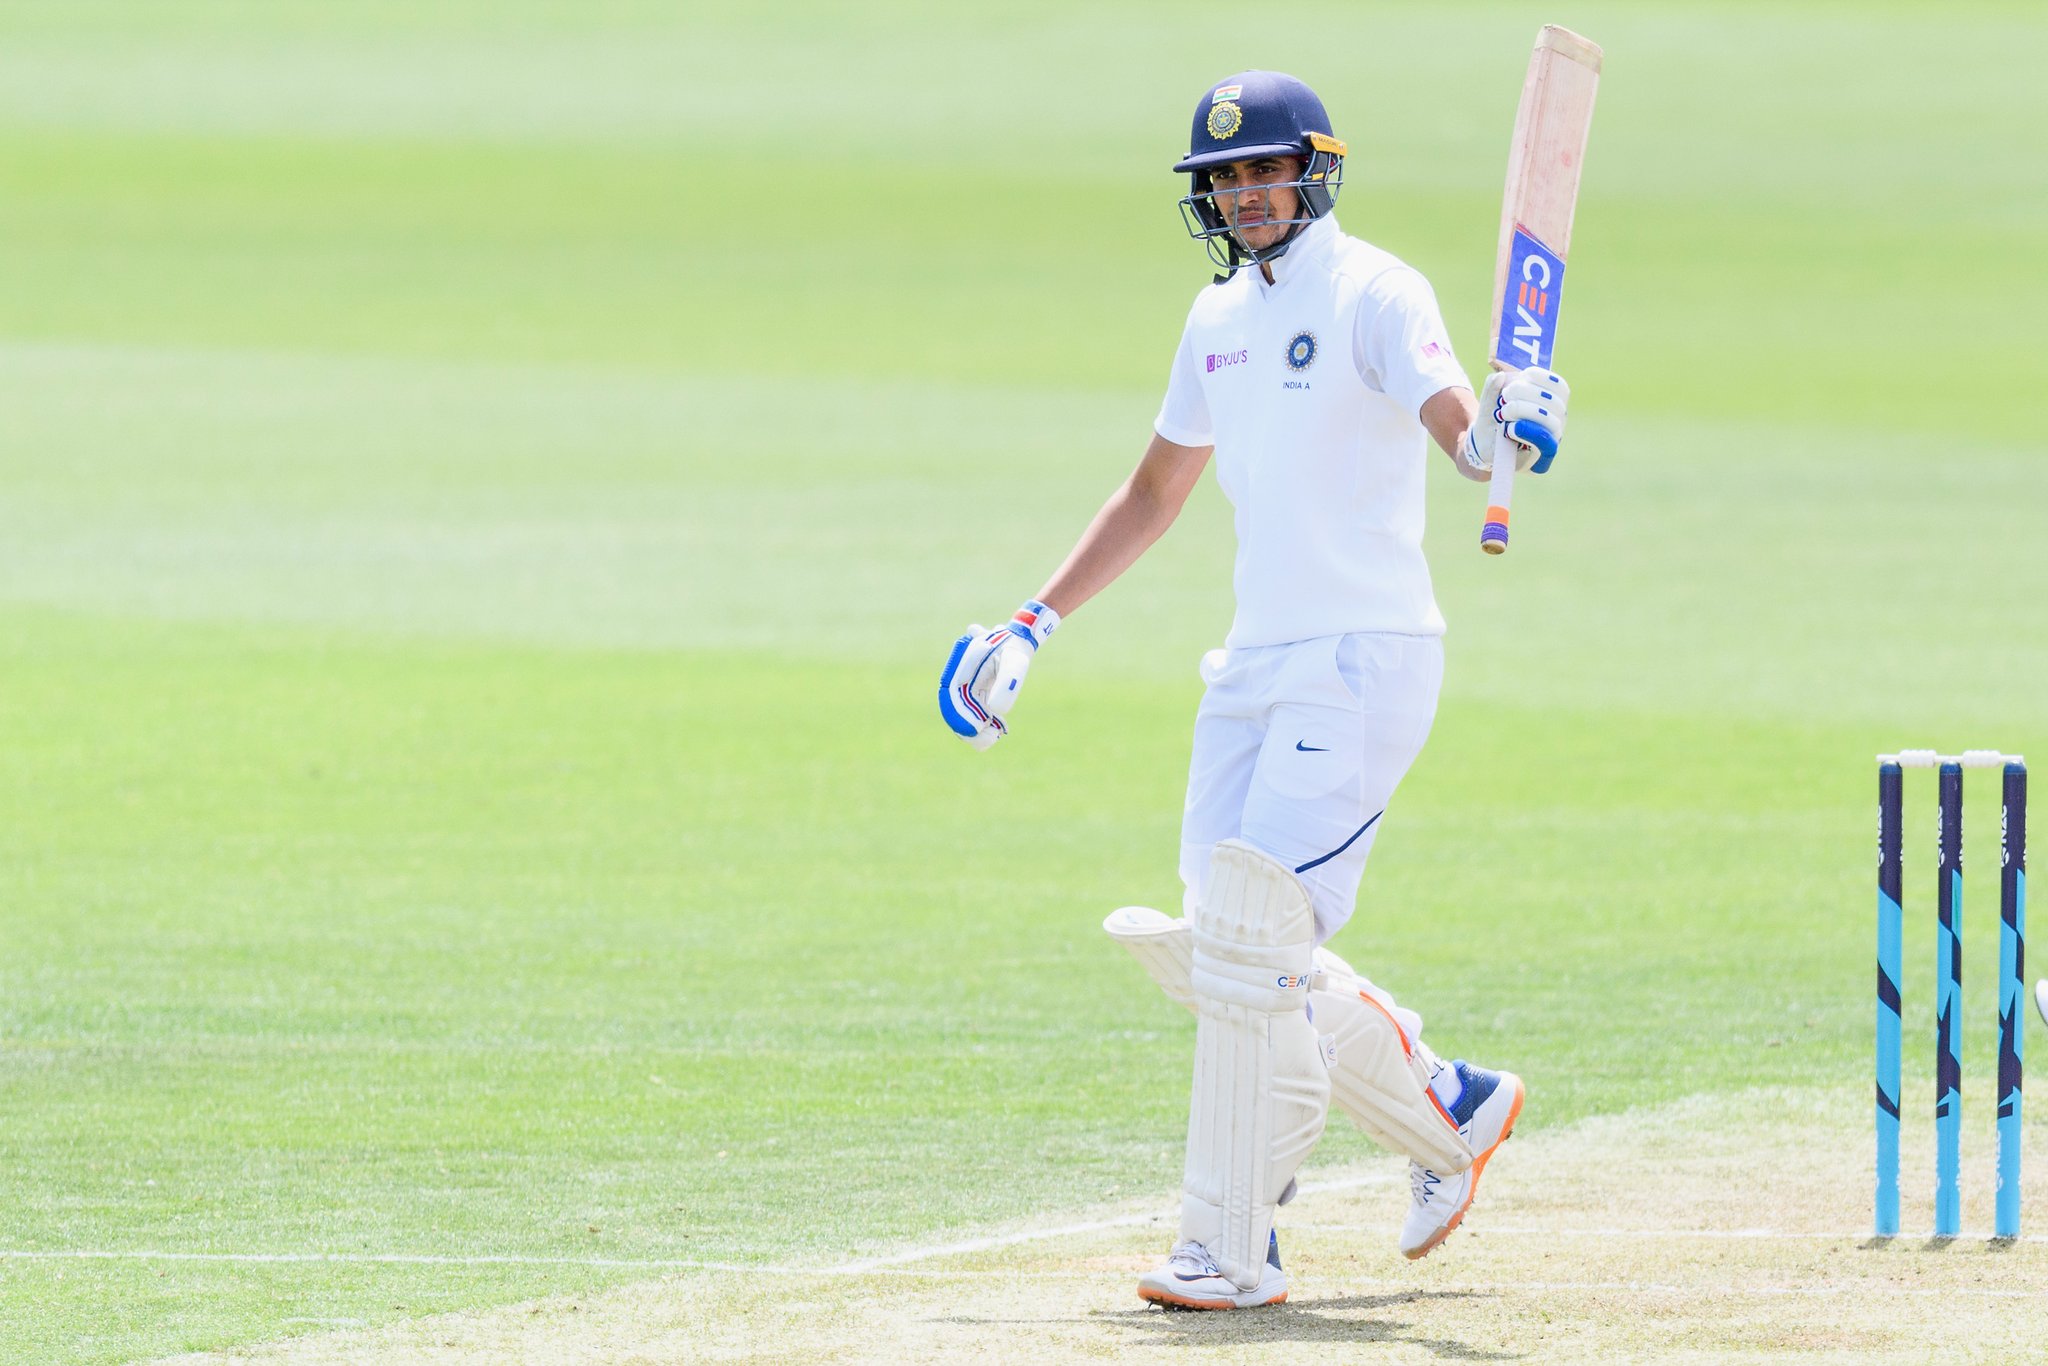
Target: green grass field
<point>485,491</point>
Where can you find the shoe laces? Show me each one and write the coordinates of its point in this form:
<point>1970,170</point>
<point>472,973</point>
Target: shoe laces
<point>1422,1183</point>
<point>1194,1255</point>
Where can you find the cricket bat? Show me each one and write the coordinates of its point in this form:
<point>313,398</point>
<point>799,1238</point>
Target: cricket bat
<point>1549,145</point>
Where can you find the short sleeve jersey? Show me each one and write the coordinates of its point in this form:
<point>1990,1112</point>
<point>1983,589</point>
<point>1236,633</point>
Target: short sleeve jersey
<point>1310,388</point>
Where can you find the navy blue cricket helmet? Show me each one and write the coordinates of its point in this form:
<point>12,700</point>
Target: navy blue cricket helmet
<point>1257,114</point>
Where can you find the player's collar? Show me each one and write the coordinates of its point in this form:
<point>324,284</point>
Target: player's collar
<point>1312,245</point>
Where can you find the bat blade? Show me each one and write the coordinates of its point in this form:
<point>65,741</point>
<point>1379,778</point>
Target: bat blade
<point>1544,159</point>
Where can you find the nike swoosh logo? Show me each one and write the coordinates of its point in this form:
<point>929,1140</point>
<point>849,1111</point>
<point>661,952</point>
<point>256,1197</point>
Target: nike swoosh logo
<point>1311,749</point>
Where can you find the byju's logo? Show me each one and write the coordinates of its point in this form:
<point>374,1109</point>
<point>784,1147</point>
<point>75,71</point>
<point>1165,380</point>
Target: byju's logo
<point>1219,359</point>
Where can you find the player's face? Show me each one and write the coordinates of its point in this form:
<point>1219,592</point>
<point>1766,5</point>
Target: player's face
<point>1253,199</point>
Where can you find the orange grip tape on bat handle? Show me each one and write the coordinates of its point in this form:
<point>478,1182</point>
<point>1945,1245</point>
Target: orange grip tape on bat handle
<point>1500,496</point>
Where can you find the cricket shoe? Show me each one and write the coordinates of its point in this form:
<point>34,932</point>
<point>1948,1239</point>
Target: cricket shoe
<point>1192,1280</point>
<point>1488,1104</point>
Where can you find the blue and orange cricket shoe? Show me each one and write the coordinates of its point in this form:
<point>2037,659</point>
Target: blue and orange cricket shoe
<point>1487,1106</point>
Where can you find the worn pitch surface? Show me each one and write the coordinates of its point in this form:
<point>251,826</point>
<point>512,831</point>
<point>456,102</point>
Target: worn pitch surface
<point>1699,1231</point>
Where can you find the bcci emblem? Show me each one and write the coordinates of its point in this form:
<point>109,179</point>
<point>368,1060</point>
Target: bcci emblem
<point>1301,352</point>
<point>1225,119</point>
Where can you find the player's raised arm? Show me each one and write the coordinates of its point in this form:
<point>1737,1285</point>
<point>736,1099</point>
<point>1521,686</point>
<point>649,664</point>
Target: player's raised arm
<point>1403,350</point>
<point>987,668</point>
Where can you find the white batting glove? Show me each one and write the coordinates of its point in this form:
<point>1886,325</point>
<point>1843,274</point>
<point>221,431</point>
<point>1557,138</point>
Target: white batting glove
<point>1531,405</point>
<point>985,671</point>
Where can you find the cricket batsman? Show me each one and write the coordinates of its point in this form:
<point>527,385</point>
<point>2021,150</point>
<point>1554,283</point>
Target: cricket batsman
<point>1315,370</point>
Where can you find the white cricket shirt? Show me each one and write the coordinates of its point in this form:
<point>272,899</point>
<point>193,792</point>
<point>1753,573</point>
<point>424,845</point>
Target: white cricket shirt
<point>1310,389</point>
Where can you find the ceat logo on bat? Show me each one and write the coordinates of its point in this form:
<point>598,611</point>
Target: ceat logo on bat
<point>1527,326</point>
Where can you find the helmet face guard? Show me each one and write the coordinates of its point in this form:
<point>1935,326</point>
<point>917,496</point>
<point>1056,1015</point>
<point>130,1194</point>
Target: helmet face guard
<point>1248,116</point>
<point>1315,195</point>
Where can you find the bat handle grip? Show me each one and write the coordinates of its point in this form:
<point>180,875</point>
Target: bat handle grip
<point>1500,495</point>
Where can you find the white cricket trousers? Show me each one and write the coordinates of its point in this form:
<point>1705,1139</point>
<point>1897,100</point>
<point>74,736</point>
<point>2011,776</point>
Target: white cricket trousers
<point>1298,749</point>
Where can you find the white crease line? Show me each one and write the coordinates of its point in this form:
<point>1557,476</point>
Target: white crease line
<point>432,1259</point>
<point>1656,1288</point>
<point>1408,1287</point>
<point>1033,1235</point>
<point>897,1260</point>
<point>876,1269</point>
<point>893,1264</point>
<point>1864,1236</point>
<point>366,1258</point>
<point>1350,1183</point>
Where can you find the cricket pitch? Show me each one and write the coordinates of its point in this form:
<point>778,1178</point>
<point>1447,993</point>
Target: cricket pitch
<point>1712,1230</point>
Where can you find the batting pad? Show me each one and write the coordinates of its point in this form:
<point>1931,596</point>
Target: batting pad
<point>1379,1074</point>
<point>1163,947</point>
<point>1260,1091</point>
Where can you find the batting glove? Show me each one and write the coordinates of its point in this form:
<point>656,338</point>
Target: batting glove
<point>1531,405</point>
<point>985,670</point>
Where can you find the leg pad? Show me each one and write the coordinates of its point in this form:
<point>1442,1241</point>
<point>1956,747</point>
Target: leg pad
<point>1260,1091</point>
<point>1380,1072</point>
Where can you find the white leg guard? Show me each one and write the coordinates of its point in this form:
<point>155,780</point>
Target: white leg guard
<point>1260,1090</point>
<point>1379,1075</point>
<point>1164,947</point>
<point>1380,1071</point>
